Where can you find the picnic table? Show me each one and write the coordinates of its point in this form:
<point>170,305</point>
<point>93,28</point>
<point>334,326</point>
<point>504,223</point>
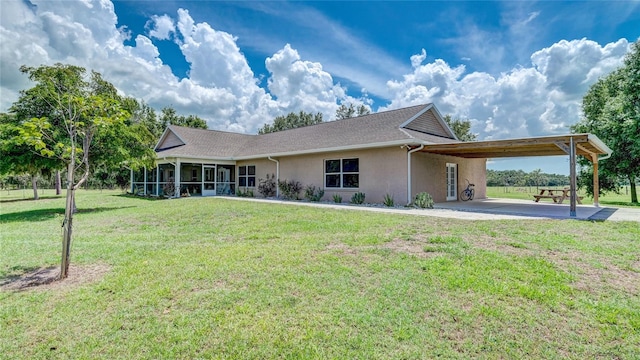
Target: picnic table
<point>557,195</point>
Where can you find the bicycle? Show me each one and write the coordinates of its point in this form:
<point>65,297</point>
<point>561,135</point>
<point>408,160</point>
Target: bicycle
<point>467,194</point>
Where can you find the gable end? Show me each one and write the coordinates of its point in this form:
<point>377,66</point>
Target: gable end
<point>169,140</point>
<point>428,123</point>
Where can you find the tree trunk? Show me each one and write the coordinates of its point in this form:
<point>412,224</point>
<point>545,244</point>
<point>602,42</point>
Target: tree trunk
<point>34,184</point>
<point>634,194</point>
<point>67,225</point>
<point>58,189</point>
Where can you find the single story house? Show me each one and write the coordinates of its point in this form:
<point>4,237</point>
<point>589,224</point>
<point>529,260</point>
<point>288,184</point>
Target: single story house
<point>398,152</point>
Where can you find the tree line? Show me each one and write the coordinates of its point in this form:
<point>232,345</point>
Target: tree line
<point>522,178</point>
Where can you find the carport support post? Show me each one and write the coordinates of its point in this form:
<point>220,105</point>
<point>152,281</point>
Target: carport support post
<point>572,177</point>
<point>596,181</point>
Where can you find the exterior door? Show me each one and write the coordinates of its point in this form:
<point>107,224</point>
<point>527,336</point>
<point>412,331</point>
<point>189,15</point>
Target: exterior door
<point>452,182</point>
<point>209,180</point>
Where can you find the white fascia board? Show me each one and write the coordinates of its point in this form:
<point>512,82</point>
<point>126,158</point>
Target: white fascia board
<point>194,159</point>
<point>339,148</point>
<point>599,144</point>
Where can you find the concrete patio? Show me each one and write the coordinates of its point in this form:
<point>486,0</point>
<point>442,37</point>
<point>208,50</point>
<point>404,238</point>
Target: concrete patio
<point>541,210</point>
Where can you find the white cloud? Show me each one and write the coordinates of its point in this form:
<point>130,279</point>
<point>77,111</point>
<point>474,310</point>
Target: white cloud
<point>541,99</point>
<point>161,27</point>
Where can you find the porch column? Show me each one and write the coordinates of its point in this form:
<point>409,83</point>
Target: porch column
<point>131,182</point>
<point>572,177</point>
<point>157,180</point>
<point>145,181</point>
<point>596,181</point>
<point>177,180</point>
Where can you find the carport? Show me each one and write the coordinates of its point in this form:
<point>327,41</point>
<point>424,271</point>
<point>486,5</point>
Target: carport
<point>586,145</point>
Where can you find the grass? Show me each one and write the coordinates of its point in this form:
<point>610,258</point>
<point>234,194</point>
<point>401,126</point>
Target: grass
<point>525,193</point>
<point>218,278</point>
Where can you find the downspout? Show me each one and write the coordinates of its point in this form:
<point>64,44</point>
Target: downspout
<point>409,197</point>
<point>277,175</point>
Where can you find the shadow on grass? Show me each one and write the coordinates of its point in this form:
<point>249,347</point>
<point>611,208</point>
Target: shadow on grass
<point>31,199</point>
<point>620,203</point>
<point>21,277</point>
<point>47,214</point>
<point>141,197</point>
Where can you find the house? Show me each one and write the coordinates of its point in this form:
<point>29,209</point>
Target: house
<point>398,152</point>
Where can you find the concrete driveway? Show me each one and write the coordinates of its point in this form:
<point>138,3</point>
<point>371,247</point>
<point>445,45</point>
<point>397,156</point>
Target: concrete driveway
<point>541,210</point>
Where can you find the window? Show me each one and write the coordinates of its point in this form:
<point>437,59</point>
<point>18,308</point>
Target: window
<point>342,173</point>
<point>247,176</point>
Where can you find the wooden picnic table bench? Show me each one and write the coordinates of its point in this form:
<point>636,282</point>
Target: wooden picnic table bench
<point>558,195</point>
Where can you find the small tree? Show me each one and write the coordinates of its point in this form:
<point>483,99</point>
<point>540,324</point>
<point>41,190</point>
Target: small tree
<point>291,121</point>
<point>345,112</point>
<point>462,128</point>
<point>80,108</point>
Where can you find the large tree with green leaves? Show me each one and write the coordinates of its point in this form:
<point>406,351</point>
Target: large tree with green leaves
<point>291,121</point>
<point>16,157</point>
<point>611,111</point>
<point>462,128</point>
<point>76,114</point>
<point>170,117</point>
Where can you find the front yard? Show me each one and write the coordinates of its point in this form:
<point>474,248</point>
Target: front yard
<point>215,278</point>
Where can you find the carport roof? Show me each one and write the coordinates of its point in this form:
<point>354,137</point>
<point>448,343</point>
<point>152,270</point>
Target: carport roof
<point>587,145</point>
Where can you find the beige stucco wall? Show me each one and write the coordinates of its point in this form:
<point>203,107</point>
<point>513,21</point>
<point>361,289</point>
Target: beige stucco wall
<point>429,174</point>
<point>382,171</point>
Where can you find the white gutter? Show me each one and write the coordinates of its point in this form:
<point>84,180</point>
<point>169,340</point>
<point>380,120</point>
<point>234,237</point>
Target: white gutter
<point>277,175</point>
<point>602,146</point>
<point>409,197</point>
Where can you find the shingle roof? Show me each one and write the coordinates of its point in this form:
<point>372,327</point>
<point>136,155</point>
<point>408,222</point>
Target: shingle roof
<point>365,131</point>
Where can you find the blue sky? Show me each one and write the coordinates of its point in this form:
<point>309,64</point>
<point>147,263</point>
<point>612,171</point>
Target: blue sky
<point>514,69</point>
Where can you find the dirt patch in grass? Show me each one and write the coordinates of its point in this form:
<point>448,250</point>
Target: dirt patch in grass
<point>47,278</point>
<point>588,277</point>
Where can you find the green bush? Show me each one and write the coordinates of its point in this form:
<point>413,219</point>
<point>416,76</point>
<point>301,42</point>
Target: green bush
<point>290,189</point>
<point>248,193</point>
<point>388,200</point>
<point>337,198</point>
<point>267,187</point>
<point>312,193</point>
<point>358,198</point>
<point>423,200</point>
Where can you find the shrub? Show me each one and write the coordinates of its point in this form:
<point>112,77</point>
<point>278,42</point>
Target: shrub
<point>290,189</point>
<point>312,193</point>
<point>267,187</point>
<point>423,200</point>
<point>337,198</point>
<point>388,200</point>
<point>358,198</point>
<point>248,193</point>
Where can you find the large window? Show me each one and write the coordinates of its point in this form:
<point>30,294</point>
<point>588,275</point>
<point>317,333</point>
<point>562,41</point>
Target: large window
<point>247,176</point>
<point>342,173</point>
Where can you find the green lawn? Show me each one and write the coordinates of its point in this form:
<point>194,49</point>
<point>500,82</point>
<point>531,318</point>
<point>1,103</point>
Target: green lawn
<point>525,193</point>
<point>225,279</point>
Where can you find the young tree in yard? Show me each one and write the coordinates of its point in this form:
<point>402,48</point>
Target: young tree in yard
<point>462,128</point>
<point>80,109</point>
<point>291,121</point>
<point>611,111</point>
